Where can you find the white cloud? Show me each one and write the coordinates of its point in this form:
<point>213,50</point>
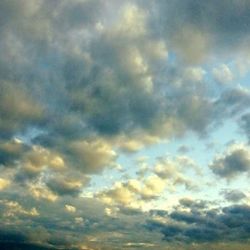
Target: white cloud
<point>223,74</point>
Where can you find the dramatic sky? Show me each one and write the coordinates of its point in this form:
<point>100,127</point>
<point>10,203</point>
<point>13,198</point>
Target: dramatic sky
<point>125,124</point>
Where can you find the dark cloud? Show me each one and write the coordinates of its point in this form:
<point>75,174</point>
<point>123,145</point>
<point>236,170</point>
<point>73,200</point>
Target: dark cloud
<point>233,102</point>
<point>17,108</point>
<point>98,76</point>
<point>10,151</point>
<point>65,186</point>
<point>23,246</point>
<point>193,204</point>
<point>234,195</point>
<point>210,226</point>
<point>245,124</point>
<point>234,162</point>
<point>183,149</point>
<point>7,236</point>
<point>88,80</point>
<point>214,26</point>
<point>92,79</point>
<point>56,227</point>
<point>90,156</point>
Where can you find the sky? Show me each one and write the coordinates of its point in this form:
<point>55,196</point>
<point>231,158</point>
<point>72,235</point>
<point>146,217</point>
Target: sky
<point>125,124</point>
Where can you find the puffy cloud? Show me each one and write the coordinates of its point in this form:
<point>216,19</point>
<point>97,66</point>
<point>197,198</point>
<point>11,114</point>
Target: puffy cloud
<point>41,192</point>
<point>232,102</point>
<point>35,162</point>
<point>223,74</point>
<point>13,208</point>
<point>191,43</point>
<point>136,142</point>
<point>235,161</point>
<point>131,146</point>
<point>245,124</point>
<point>119,194</point>
<point>194,74</point>
<point>98,78</point>
<point>227,224</point>
<point>70,208</point>
<point>134,193</point>
<point>17,108</point>
<point>193,204</point>
<point>65,186</point>
<point>183,149</point>
<point>174,170</point>
<point>201,28</point>
<point>234,195</point>
<point>154,186</point>
<point>4,183</point>
<point>10,151</point>
<point>91,156</point>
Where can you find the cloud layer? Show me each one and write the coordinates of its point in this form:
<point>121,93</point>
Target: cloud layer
<point>109,120</point>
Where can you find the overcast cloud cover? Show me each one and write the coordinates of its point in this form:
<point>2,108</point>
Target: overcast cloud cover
<point>124,124</point>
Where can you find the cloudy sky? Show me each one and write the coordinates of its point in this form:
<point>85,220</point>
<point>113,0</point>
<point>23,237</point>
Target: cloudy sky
<point>125,124</point>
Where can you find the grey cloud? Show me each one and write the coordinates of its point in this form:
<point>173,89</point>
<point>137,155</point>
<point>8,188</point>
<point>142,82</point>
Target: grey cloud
<point>183,149</point>
<point>65,186</point>
<point>11,236</point>
<point>233,102</point>
<point>193,204</point>
<point>17,108</point>
<point>91,156</point>
<point>214,26</point>
<point>10,151</point>
<point>90,221</point>
<point>91,82</point>
<point>107,103</point>
<point>84,70</point>
<point>56,228</point>
<point>234,195</point>
<point>234,162</point>
<point>211,226</point>
<point>24,246</point>
<point>245,124</point>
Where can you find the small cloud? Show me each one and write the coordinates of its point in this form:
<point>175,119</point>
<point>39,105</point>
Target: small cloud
<point>234,195</point>
<point>235,161</point>
<point>4,183</point>
<point>194,74</point>
<point>222,74</point>
<point>70,209</point>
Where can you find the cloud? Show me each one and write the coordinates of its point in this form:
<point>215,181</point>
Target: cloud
<point>70,208</point>
<point>174,170</point>
<point>39,191</point>
<point>201,28</point>
<point>193,204</point>
<point>10,151</point>
<point>17,108</point>
<point>136,142</point>
<point>4,183</point>
<point>134,193</point>
<point>65,186</point>
<point>91,156</point>
<point>223,74</point>
<point>36,161</point>
<point>245,124</point>
<point>24,246</point>
<point>12,208</point>
<point>232,102</point>
<point>195,227</point>
<point>194,74</point>
<point>88,85</point>
<point>234,195</point>
<point>235,161</point>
